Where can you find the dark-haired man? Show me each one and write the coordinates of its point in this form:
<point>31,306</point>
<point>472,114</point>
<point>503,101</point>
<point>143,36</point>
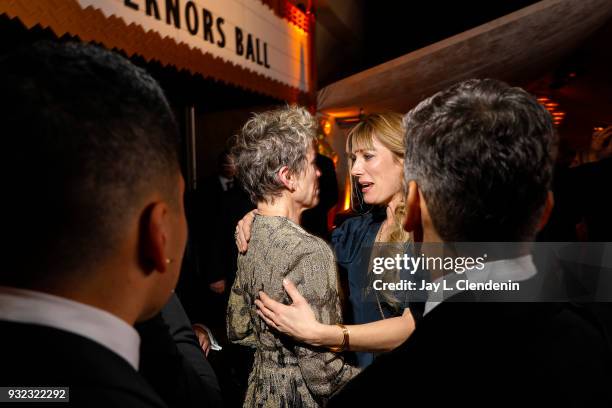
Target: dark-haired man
<point>95,227</point>
<point>479,159</point>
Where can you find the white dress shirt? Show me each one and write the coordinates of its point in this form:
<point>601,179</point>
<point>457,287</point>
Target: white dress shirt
<point>226,183</point>
<point>516,269</point>
<point>27,306</point>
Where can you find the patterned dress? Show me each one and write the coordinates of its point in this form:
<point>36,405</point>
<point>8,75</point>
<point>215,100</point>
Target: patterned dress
<point>286,373</point>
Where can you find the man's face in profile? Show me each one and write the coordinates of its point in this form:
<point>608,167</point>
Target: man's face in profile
<point>228,168</point>
<point>180,230</point>
<point>175,231</point>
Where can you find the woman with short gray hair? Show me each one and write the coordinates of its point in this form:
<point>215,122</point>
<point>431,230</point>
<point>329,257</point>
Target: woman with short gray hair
<point>275,158</point>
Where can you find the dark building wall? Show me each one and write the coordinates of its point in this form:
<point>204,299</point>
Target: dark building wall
<point>213,132</point>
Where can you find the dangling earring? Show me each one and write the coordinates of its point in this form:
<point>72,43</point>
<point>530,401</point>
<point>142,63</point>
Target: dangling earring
<point>169,261</point>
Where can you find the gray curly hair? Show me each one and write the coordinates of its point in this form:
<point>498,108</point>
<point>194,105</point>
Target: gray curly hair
<point>266,143</point>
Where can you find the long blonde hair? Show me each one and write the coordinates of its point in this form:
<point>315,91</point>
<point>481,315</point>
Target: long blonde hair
<point>388,130</point>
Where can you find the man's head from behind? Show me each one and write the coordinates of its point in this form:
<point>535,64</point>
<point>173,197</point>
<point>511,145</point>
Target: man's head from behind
<point>96,190</point>
<point>479,161</point>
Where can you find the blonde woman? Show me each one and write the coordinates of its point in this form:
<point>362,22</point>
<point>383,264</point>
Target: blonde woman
<point>275,158</point>
<point>382,320</point>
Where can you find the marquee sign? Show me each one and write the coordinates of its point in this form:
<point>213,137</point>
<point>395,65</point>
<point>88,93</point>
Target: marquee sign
<point>242,42</point>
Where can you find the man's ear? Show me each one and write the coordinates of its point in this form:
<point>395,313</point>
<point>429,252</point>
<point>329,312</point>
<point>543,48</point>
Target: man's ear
<point>154,238</point>
<point>412,222</point>
<point>285,177</point>
<point>548,207</point>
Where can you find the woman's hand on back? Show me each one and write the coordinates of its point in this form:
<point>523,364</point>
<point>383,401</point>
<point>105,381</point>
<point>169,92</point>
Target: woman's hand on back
<point>296,320</point>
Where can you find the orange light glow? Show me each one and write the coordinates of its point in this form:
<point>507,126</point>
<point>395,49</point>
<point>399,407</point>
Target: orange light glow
<point>326,126</point>
<point>343,113</point>
<point>347,194</point>
<point>552,107</point>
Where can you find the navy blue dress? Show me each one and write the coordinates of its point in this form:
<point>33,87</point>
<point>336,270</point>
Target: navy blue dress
<point>352,243</point>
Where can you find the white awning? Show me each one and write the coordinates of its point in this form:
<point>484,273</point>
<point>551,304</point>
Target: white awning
<point>517,47</point>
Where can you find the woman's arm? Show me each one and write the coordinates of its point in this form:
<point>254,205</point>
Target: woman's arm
<point>239,328</point>
<point>299,321</point>
<point>379,336</point>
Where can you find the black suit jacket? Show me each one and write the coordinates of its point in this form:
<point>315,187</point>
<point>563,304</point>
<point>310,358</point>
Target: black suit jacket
<point>492,354</point>
<point>172,361</point>
<point>34,355</point>
<point>218,212</point>
<point>314,220</point>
